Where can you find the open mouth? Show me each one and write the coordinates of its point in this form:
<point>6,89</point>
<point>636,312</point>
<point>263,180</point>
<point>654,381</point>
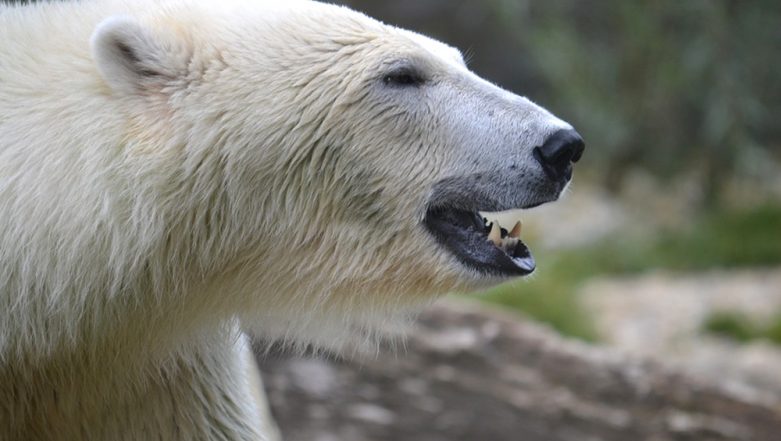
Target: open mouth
<point>480,243</point>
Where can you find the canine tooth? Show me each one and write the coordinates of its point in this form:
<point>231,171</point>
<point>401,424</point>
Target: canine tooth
<point>516,231</point>
<point>495,235</point>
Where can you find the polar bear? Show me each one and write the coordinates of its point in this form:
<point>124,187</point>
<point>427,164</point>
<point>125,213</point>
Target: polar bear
<point>174,173</point>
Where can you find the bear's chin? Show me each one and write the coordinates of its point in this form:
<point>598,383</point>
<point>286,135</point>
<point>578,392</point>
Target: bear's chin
<point>342,334</point>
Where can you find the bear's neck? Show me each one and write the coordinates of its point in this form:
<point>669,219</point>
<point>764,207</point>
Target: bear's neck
<point>92,396</point>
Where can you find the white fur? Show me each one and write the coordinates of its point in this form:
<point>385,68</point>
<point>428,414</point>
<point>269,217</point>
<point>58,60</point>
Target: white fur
<point>241,169</point>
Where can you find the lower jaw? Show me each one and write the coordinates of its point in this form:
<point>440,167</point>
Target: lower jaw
<point>492,252</point>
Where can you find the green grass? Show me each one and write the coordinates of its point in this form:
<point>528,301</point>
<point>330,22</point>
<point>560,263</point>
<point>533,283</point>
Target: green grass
<point>739,328</point>
<point>724,240</point>
<point>731,325</point>
<point>715,240</point>
<point>548,300</point>
<point>773,331</point>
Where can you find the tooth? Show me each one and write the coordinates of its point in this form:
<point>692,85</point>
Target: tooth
<point>495,235</point>
<point>516,231</point>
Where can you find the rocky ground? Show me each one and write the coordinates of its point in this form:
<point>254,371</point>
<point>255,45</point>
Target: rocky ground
<point>470,373</point>
<point>661,315</point>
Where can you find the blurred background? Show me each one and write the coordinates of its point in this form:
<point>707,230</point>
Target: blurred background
<point>668,244</point>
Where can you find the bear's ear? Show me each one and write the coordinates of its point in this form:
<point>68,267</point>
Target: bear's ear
<point>131,58</point>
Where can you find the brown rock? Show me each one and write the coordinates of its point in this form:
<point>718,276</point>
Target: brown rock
<point>474,374</point>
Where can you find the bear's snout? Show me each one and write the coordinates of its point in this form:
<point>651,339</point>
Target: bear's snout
<point>558,153</point>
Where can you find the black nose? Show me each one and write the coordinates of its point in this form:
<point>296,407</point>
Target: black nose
<point>559,152</point>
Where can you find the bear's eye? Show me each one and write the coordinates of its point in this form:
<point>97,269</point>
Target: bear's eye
<point>403,77</point>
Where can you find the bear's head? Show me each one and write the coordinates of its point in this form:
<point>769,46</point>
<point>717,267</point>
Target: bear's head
<point>335,166</point>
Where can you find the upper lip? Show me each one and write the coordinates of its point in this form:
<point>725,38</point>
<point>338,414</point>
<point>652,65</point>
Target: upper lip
<point>476,202</point>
